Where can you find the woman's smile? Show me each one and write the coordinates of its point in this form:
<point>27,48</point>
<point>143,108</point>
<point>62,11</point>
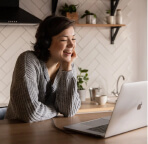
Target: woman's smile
<point>67,52</point>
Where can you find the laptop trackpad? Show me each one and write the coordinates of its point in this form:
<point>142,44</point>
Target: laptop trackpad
<point>97,122</point>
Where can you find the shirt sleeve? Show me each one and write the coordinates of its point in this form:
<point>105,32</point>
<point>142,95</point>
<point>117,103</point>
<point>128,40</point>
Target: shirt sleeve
<point>67,98</point>
<point>24,94</point>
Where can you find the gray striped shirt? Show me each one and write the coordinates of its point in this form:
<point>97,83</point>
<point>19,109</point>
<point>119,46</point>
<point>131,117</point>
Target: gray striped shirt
<point>34,98</point>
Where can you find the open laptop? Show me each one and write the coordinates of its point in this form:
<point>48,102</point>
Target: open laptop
<point>130,113</point>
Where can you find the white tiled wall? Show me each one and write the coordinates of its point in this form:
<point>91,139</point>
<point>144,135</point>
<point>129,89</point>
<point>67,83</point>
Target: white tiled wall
<point>104,61</point>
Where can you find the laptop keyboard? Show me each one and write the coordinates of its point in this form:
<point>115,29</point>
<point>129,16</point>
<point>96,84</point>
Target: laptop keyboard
<point>101,128</point>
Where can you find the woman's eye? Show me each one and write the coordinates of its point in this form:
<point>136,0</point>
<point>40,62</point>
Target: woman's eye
<point>67,40</point>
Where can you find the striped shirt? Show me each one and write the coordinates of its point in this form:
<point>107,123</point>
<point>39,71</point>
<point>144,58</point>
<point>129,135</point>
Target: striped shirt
<point>33,97</point>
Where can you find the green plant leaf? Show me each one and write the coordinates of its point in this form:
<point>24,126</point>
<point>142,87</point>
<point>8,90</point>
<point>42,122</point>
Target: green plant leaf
<point>72,8</point>
<point>79,76</point>
<point>86,74</point>
<point>82,78</point>
<point>83,15</point>
<point>95,16</point>
<point>84,71</point>
<point>68,8</point>
<point>87,12</point>
<point>81,87</point>
<point>86,79</point>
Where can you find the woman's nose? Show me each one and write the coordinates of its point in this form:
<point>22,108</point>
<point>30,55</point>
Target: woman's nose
<point>70,44</point>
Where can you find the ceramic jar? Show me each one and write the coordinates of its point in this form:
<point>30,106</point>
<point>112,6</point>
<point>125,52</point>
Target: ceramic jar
<point>118,16</point>
<point>110,19</point>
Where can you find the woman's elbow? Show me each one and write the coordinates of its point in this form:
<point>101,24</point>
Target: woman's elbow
<point>72,112</point>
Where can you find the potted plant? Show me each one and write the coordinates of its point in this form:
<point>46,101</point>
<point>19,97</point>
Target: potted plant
<point>82,78</point>
<point>70,11</point>
<point>90,17</point>
<point>110,19</point>
<point>108,12</point>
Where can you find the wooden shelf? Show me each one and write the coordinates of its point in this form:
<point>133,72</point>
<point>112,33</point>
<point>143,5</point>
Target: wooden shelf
<point>114,28</point>
<point>99,25</point>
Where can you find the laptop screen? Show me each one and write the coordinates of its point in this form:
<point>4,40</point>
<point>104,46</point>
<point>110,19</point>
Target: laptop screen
<point>9,3</point>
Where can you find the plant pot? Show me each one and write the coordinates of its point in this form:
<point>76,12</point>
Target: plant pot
<point>110,19</point>
<point>82,94</point>
<point>72,16</point>
<point>90,19</point>
<point>93,21</point>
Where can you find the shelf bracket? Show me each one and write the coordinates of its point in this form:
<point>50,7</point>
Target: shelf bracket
<point>54,6</point>
<point>114,4</point>
<point>114,34</point>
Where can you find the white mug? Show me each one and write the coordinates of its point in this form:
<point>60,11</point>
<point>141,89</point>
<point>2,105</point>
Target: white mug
<point>101,100</point>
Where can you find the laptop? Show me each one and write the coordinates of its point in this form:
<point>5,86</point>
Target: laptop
<point>130,113</point>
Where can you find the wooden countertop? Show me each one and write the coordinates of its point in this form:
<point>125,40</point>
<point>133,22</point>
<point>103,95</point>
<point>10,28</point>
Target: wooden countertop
<point>89,107</point>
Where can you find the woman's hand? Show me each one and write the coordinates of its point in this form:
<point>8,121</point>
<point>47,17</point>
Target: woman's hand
<point>73,56</point>
<point>66,66</point>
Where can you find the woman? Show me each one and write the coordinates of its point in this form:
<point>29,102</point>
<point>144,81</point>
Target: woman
<point>44,80</point>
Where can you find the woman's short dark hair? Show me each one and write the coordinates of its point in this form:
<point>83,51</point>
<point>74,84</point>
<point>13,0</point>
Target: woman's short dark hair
<point>49,27</point>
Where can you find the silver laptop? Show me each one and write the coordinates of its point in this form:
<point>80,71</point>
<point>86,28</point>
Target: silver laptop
<point>130,113</point>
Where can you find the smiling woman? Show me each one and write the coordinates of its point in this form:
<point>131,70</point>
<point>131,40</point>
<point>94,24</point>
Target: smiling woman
<point>63,47</point>
<point>44,80</point>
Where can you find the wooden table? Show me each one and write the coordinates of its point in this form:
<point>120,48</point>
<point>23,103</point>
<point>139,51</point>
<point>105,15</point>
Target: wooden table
<point>44,132</point>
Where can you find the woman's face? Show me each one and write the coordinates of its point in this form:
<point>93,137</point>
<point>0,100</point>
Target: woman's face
<point>63,45</point>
